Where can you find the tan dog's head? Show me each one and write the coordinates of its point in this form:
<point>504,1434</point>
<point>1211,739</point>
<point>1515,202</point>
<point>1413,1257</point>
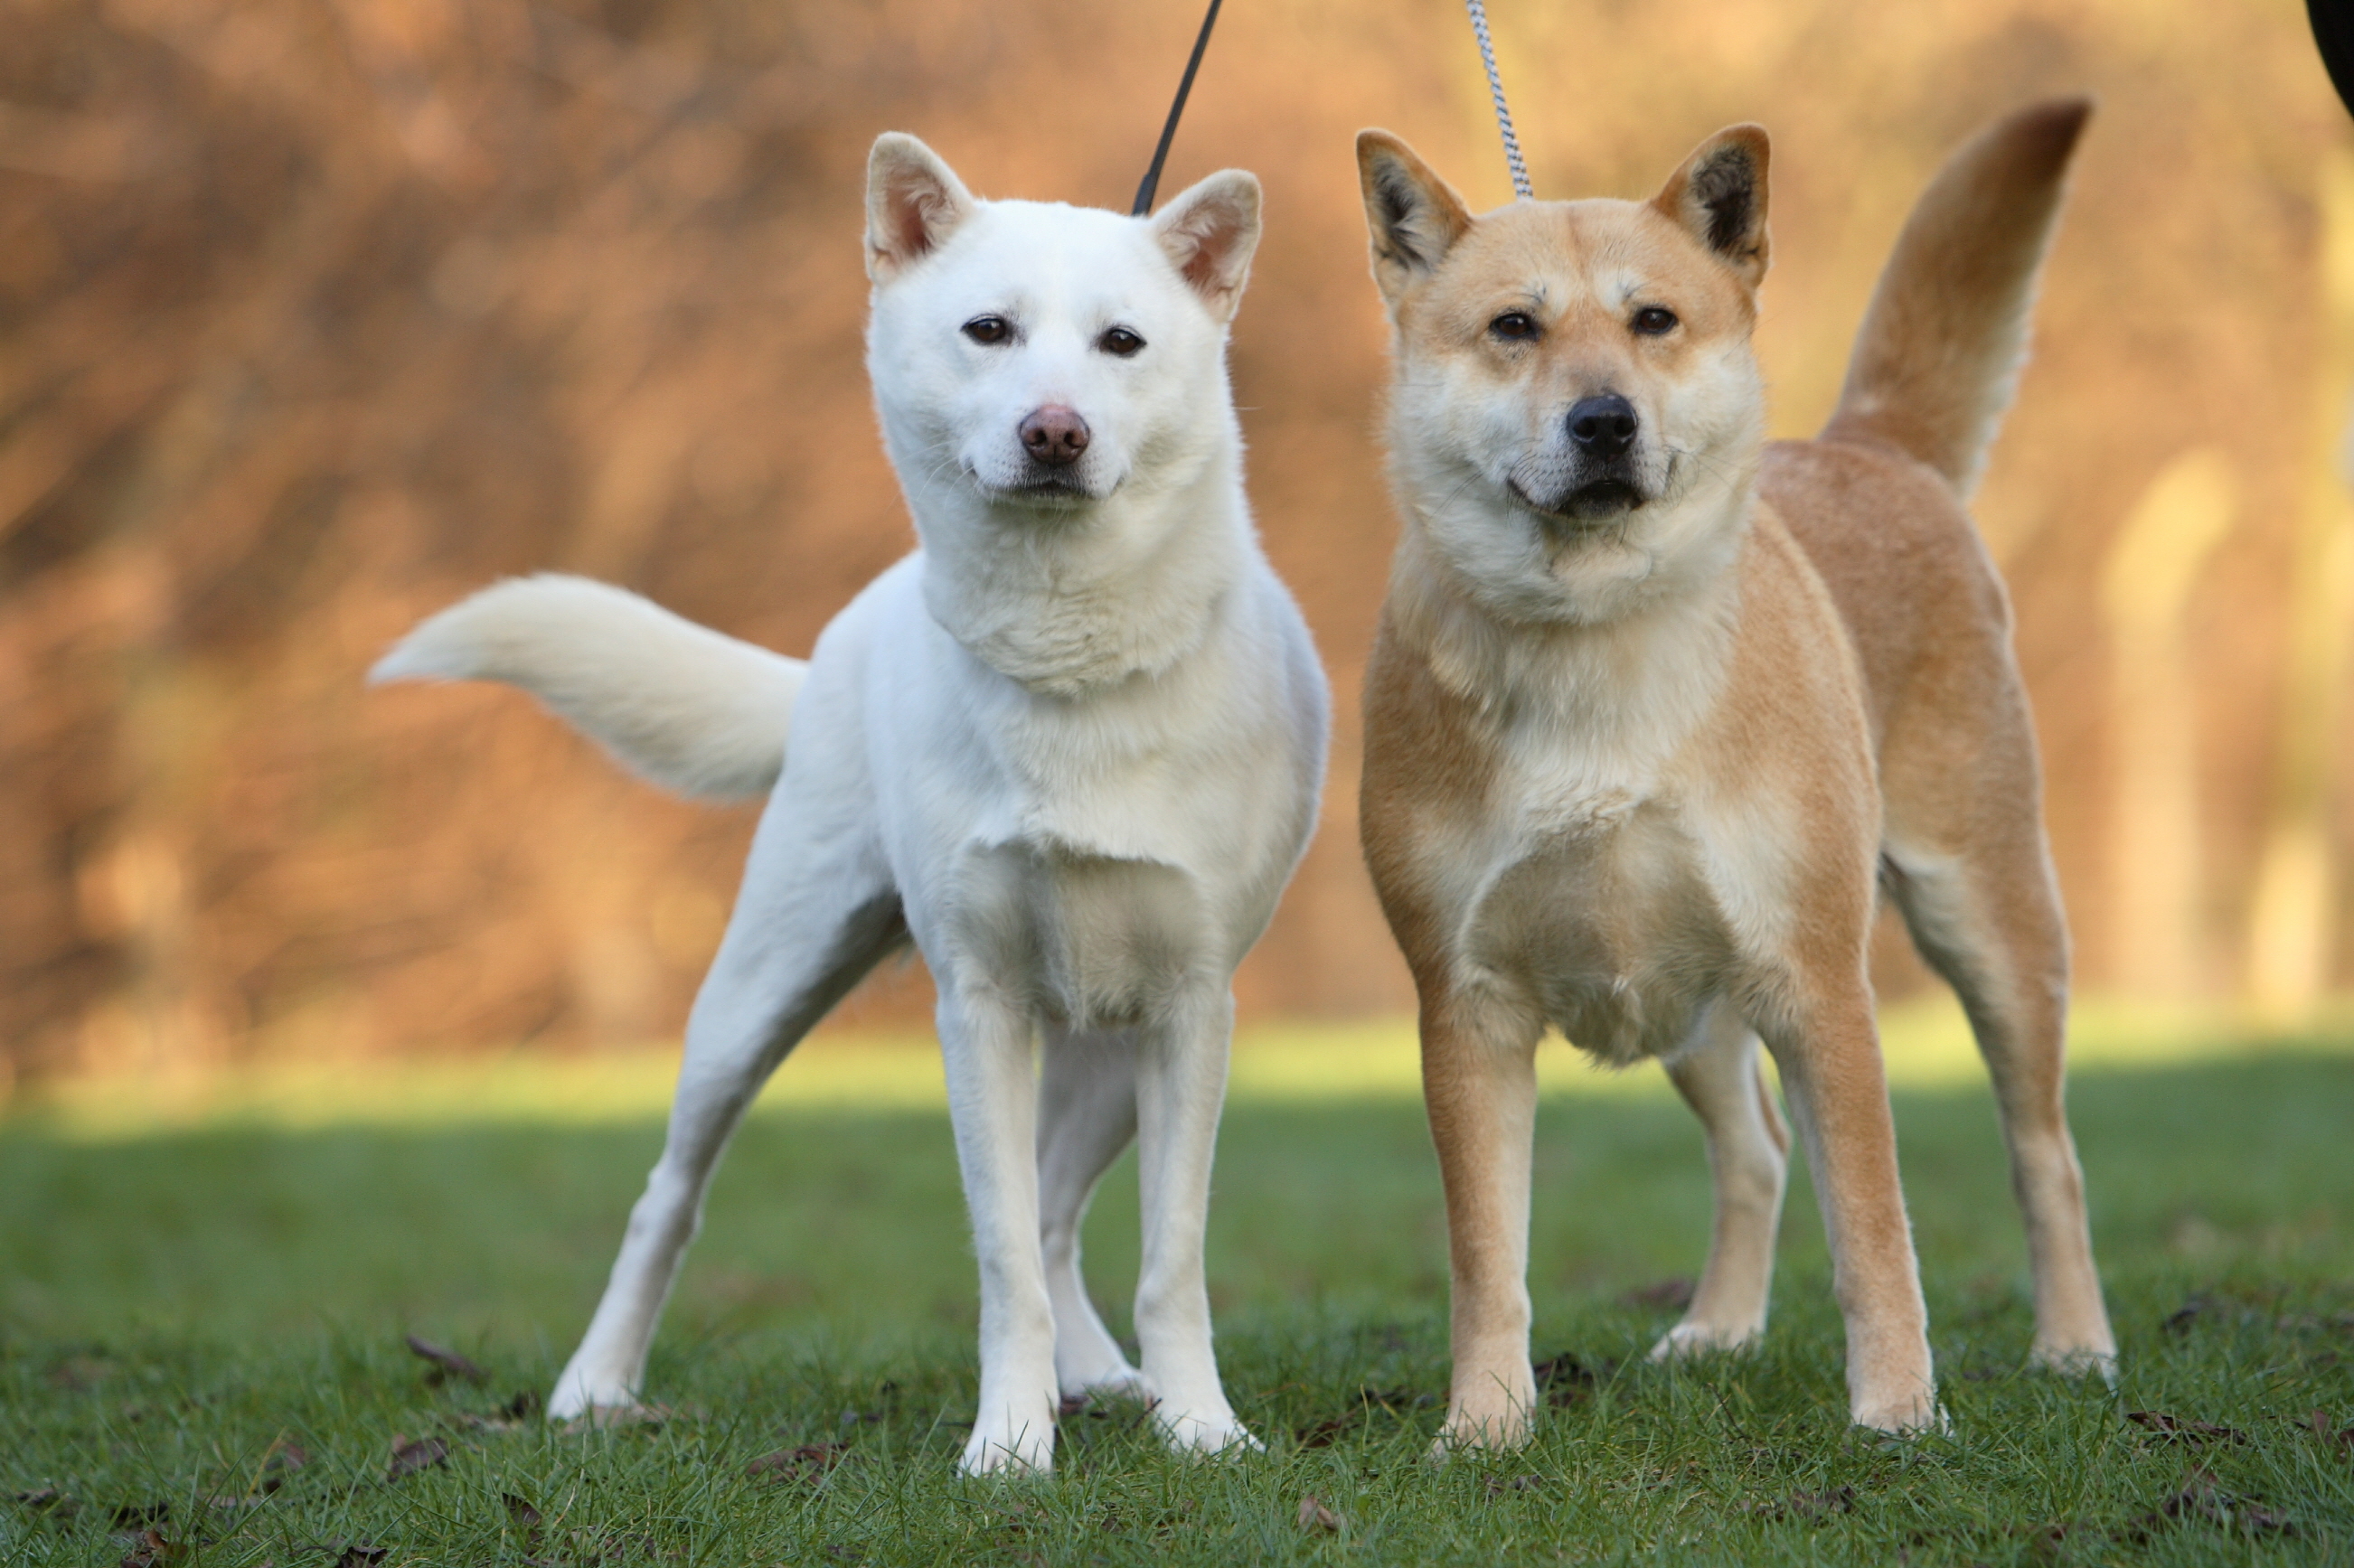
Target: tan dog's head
<point>1577,414</point>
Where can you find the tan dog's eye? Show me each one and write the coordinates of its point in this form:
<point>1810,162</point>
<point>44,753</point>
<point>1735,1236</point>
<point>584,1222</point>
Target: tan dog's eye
<point>1514,325</point>
<point>1654,321</point>
<point>1119,340</point>
<point>988,329</point>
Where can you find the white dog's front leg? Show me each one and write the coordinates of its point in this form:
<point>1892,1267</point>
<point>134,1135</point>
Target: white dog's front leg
<point>1086,1114</point>
<point>985,1040</point>
<point>1181,1086</point>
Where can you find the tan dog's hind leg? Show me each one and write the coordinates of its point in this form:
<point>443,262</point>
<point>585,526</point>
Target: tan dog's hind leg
<point>1830,1057</point>
<point>1720,1076</point>
<point>1990,922</point>
<point>1479,1085</point>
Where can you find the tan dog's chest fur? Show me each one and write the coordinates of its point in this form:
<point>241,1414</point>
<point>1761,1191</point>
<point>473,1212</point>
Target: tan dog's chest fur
<point>1621,838</point>
<point>1655,710</point>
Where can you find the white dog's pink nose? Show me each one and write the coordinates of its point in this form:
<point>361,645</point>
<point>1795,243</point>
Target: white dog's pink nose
<point>1055,435</point>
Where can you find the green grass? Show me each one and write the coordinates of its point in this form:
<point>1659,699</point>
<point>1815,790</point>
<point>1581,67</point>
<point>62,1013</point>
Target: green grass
<point>181,1298</point>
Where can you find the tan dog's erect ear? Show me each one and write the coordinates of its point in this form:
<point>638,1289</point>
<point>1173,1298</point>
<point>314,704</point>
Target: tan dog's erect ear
<point>1415,219</point>
<point>914,202</point>
<point>1720,196</point>
<point>1210,233</point>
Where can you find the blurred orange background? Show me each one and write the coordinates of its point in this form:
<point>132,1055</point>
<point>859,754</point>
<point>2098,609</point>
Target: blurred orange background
<point>316,316</point>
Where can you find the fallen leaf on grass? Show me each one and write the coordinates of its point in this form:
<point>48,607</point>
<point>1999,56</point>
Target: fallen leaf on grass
<point>150,1550</point>
<point>520,1510</point>
<point>288,1458</point>
<point>1564,1380</point>
<point>522,1407</point>
<point>1497,1486</point>
<point>359,1554</point>
<point>49,1501</point>
<point>806,1463</point>
<point>2200,1499</point>
<point>2325,1427</point>
<point>410,1457</point>
<point>1314,1515</point>
<point>2178,1429</point>
<point>78,1373</point>
<point>2178,1321</point>
<point>1326,1432</point>
<point>466,1421</point>
<point>1673,1295</point>
<point>446,1363</point>
<point>224,1502</point>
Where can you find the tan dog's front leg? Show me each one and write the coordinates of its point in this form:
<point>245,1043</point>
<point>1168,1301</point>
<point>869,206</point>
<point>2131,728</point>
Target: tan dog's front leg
<point>1838,1095</point>
<point>1480,1086</point>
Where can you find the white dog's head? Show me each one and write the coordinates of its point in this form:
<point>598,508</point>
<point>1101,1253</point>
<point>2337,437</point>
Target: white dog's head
<point>1030,359</point>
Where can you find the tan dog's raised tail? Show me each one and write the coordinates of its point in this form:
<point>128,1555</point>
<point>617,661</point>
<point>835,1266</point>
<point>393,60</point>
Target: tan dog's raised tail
<point>1655,705</point>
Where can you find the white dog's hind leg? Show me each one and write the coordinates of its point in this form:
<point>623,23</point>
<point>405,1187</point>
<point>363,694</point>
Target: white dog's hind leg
<point>816,911</point>
<point>1720,1076</point>
<point>1086,1115</point>
<point>985,1043</point>
<point>1181,1086</point>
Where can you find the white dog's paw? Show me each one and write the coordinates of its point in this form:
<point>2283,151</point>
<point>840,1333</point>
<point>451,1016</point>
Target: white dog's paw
<point>1207,1432</point>
<point>1007,1444</point>
<point>1119,1382</point>
<point>601,1398</point>
<point>1691,1339</point>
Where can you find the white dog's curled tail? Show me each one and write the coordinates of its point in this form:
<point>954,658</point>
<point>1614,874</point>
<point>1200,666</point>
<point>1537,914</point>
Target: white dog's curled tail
<point>676,703</point>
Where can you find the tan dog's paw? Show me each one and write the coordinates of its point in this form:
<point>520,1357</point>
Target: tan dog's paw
<point>2076,1360</point>
<point>1904,1416</point>
<point>1492,1424</point>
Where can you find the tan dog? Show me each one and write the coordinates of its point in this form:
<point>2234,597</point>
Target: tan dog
<point>1654,704</point>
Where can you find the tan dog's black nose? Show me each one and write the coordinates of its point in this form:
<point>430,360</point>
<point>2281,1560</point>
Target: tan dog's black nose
<point>1055,435</point>
<point>1603,427</point>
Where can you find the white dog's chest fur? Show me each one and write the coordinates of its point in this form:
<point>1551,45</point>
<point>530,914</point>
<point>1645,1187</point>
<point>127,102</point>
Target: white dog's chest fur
<point>1090,858</point>
<point>1096,942</point>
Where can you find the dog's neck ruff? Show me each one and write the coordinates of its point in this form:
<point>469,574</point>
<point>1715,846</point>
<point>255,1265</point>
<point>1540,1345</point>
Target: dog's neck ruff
<point>1073,603</point>
<point>1658,665</point>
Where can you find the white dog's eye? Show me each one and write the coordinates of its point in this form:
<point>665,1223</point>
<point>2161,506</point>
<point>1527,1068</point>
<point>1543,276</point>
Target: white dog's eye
<point>988,329</point>
<point>1515,325</point>
<point>1119,340</point>
<point>1654,321</point>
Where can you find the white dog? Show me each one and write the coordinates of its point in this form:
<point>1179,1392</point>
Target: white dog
<point>1072,746</point>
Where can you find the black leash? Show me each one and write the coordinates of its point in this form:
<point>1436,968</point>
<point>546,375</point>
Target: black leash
<point>1144,192</point>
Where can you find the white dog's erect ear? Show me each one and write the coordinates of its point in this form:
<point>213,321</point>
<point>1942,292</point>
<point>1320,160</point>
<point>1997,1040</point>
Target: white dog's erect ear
<point>1209,233</point>
<point>1720,196</point>
<point>1414,216</point>
<point>914,202</point>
